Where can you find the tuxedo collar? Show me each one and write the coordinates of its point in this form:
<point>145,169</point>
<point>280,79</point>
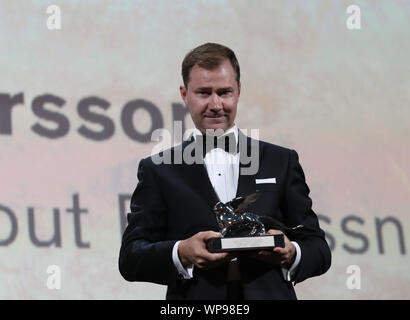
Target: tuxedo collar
<point>197,177</point>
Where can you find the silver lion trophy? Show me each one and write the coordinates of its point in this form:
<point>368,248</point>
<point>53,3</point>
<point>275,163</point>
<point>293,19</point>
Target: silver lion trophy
<point>242,230</point>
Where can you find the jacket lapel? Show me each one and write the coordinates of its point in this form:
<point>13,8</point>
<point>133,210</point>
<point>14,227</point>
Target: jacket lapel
<point>196,176</point>
<point>246,182</point>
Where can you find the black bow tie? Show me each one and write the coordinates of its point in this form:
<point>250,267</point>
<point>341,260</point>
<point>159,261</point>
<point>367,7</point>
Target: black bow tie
<point>226,142</point>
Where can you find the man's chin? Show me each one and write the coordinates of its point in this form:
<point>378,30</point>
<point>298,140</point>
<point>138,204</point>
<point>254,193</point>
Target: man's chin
<point>216,127</point>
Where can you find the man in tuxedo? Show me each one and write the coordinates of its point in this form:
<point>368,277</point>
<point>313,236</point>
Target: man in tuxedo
<point>172,213</point>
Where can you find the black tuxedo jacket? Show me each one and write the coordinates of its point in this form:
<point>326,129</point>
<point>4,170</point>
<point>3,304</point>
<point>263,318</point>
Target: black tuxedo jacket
<point>175,201</point>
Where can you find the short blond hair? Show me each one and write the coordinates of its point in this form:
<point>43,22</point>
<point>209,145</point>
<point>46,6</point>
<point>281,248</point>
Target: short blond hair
<point>209,56</point>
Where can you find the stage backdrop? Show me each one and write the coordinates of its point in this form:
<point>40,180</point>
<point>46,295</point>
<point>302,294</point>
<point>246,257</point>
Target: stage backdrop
<point>80,97</point>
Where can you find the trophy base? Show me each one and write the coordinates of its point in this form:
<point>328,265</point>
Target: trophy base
<point>245,243</point>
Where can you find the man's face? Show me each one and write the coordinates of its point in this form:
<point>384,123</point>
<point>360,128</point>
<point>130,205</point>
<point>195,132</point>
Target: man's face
<point>212,97</point>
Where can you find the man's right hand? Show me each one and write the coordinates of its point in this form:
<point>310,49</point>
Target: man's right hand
<point>192,251</point>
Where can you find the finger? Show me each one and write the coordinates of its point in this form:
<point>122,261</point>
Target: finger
<point>274,231</point>
<point>211,257</point>
<point>265,253</point>
<point>279,250</point>
<point>211,234</point>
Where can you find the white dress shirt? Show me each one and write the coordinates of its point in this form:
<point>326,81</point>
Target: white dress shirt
<point>223,172</point>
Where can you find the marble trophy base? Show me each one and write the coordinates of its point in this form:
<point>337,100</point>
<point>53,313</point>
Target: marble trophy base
<point>249,243</point>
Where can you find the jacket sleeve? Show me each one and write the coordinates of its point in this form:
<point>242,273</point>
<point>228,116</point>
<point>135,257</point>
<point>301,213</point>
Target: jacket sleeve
<point>145,255</point>
<point>316,255</point>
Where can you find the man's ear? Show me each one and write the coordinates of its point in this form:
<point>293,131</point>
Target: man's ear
<point>183,92</point>
<point>239,89</point>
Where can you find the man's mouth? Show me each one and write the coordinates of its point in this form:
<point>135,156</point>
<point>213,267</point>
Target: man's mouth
<point>214,116</point>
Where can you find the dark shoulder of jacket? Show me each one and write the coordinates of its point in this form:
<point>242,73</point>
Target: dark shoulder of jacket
<point>164,157</point>
<point>270,147</point>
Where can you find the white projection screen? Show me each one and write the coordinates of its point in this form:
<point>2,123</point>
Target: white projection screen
<point>81,96</point>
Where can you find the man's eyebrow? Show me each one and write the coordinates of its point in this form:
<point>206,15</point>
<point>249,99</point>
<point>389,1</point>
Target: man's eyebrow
<point>210,89</point>
<point>224,89</point>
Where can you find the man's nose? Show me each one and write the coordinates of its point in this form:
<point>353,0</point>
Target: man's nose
<point>215,102</point>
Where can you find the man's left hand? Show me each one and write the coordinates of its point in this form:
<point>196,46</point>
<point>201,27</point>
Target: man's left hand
<point>279,256</point>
